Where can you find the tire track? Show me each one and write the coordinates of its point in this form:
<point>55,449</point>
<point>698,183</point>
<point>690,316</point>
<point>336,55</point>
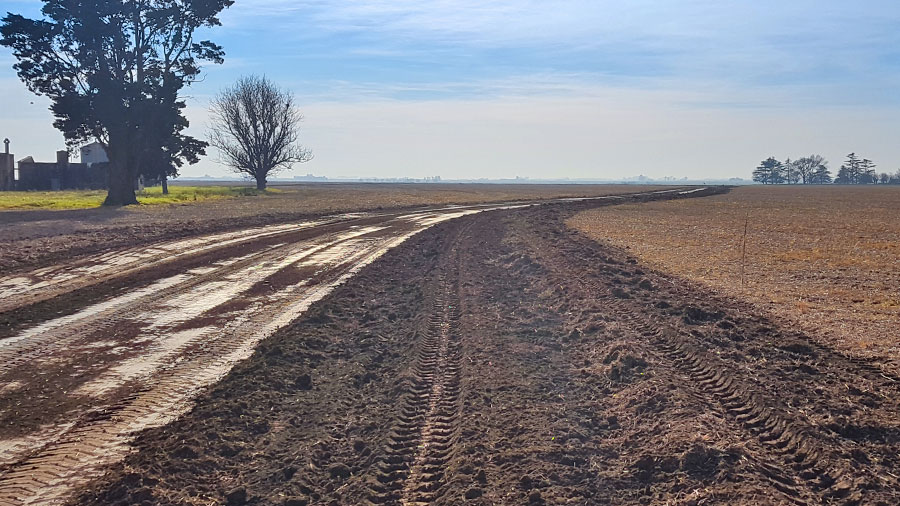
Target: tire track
<point>57,280</point>
<point>795,464</point>
<point>47,466</point>
<point>413,466</point>
<point>36,342</point>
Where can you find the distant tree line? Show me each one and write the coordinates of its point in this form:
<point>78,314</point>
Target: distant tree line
<point>813,169</point>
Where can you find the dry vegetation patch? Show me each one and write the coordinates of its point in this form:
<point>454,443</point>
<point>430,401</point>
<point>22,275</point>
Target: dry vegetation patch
<point>827,258</point>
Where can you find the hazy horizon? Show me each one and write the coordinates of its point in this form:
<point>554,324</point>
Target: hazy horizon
<point>463,90</point>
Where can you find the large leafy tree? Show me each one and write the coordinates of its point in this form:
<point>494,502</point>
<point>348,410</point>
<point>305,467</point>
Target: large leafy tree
<point>821,175</point>
<point>113,70</point>
<point>791,171</point>
<point>851,171</point>
<point>867,172</point>
<point>770,171</point>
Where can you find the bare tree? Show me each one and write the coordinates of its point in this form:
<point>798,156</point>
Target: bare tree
<point>807,165</point>
<point>256,128</point>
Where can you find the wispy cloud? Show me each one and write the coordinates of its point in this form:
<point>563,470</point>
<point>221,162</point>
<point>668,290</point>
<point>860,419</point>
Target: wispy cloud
<point>586,87</point>
<point>762,44</point>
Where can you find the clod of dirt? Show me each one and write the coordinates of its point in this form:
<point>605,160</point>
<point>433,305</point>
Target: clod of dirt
<point>474,493</point>
<point>304,382</point>
<point>536,499</point>
<point>363,379</point>
<point>574,335</point>
<point>798,348</point>
<point>700,460</point>
<point>185,452</point>
<point>296,501</point>
<point>142,494</point>
<point>645,463</point>
<point>339,471</point>
<point>726,324</point>
<point>526,482</point>
<point>623,366</point>
<point>695,316</point>
<point>236,497</point>
<point>620,293</point>
<point>481,477</point>
<point>646,284</point>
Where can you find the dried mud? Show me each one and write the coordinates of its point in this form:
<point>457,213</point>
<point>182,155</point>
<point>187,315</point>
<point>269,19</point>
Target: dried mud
<point>502,358</point>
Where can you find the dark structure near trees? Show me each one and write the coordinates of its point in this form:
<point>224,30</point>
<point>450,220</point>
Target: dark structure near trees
<point>61,175</point>
<point>47,176</point>
<point>7,168</point>
<point>256,128</point>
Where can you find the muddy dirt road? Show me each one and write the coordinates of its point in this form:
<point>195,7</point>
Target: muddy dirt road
<point>96,349</point>
<point>496,358</point>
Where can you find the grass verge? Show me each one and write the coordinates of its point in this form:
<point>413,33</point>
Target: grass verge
<point>83,199</point>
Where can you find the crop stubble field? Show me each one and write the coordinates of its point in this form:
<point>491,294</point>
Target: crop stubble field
<point>826,258</point>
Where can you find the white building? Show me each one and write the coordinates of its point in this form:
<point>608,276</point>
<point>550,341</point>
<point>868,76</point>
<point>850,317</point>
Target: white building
<point>93,153</point>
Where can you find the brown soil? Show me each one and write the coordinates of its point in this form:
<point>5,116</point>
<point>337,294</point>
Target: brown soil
<point>503,358</point>
<point>34,238</point>
<point>821,258</point>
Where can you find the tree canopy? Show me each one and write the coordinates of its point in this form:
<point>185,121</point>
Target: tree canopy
<point>770,171</point>
<point>113,70</point>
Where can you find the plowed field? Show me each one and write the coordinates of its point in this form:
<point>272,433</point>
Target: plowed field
<point>494,357</point>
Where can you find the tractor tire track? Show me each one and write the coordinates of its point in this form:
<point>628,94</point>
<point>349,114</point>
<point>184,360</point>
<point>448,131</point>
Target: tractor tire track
<point>794,463</point>
<point>44,466</point>
<point>102,435</point>
<point>413,466</point>
<point>35,342</point>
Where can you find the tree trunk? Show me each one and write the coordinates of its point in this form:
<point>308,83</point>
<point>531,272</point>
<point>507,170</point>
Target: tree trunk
<point>121,180</point>
<point>165,184</point>
<point>260,183</point>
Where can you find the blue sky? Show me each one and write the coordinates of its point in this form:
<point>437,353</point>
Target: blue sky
<point>580,89</point>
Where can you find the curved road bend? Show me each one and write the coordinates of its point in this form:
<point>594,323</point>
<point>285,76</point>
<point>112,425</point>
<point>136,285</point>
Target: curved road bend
<point>77,388</point>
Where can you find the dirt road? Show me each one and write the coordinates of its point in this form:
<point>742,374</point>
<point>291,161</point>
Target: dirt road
<point>498,358</point>
<point>97,349</point>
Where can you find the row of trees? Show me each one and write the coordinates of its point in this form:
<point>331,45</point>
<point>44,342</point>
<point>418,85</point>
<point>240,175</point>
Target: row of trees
<point>114,71</point>
<point>813,169</point>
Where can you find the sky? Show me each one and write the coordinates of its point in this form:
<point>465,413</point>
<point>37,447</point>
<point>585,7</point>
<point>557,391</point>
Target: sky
<point>547,89</point>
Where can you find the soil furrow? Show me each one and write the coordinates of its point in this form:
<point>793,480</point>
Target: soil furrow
<point>798,458</point>
<point>746,411</point>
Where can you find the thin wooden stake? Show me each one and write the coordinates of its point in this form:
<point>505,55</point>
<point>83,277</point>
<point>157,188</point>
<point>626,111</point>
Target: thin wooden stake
<point>744,249</point>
